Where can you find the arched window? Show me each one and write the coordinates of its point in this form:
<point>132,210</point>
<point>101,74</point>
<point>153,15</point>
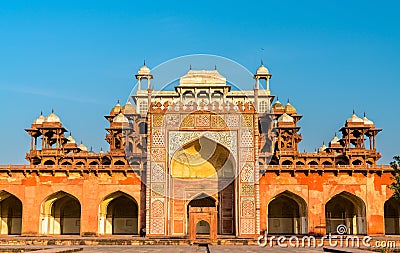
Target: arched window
<point>202,94</point>
<point>119,162</point>
<point>49,162</point>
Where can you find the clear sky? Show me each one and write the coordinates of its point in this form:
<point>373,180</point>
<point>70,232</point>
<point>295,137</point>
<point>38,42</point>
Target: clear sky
<point>79,57</point>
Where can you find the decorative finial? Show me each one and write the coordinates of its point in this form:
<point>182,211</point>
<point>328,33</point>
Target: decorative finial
<point>52,110</point>
<point>70,133</point>
<point>41,113</point>
<point>81,142</point>
<point>91,148</point>
<point>101,149</point>
<point>277,98</point>
<point>262,63</point>
<point>215,67</point>
<point>144,62</point>
<point>354,112</point>
<point>118,101</point>
<point>335,134</point>
<point>365,115</point>
<point>323,143</point>
<point>288,100</point>
<point>190,67</point>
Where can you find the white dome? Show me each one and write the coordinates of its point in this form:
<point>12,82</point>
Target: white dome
<point>262,70</point>
<point>367,121</point>
<point>120,118</point>
<point>52,118</point>
<point>71,139</point>
<point>128,108</point>
<point>285,118</point>
<point>144,70</point>
<point>82,147</point>
<point>116,109</point>
<point>278,106</point>
<point>335,140</point>
<point>354,119</point>
<point>322,148</point>
<point>39,120</point>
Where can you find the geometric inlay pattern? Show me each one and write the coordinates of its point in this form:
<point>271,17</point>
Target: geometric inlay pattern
<point>158,120</point>
<point>157,172</point>
<point>187,121</point>
<point>203,120</point>
<point>247,190</point>
<point>158,138</point>
<point>217,121</point>
<point>157,226</point>
<point>247,226</point>
<point>247,173</point>
<point>232,120</point>
<point>157,208</point>
<point>247,154</point>
<point>158,154</point>
<point>172,120</point>
<point>247,138</point>
<point>248,207</point>
<point>226,138</point>
<point>247,120</point>
<point>157,190</point>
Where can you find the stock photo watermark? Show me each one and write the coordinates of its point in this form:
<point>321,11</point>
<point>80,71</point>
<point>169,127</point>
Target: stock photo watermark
<point>341,240</point>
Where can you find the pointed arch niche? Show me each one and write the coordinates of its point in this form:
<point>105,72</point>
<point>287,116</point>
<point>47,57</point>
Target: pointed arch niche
<point>60,214</point>
<point>118,214</point>
<point>11,214</point>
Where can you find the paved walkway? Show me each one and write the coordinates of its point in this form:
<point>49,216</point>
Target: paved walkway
<point>162,249</point>
<point>193,249</point>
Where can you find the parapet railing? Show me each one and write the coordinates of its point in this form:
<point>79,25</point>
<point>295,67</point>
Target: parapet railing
<point>355,168</point>
<point>27,167</point>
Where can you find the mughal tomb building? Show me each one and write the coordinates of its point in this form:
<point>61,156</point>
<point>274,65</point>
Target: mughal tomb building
<point>200,159</point>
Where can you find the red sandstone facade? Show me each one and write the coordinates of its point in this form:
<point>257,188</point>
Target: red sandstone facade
<point>155,174</point>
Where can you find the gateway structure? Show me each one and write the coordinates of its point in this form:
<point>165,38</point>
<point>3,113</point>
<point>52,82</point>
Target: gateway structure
<point>201,159</point>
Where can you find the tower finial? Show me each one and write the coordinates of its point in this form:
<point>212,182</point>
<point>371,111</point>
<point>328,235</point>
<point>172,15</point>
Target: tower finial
<point>277,98</point>
<point>144,62</point>
<point>354,112</point>
<point>41,113</point>
<point>52,110</point>
<point>365,115</point>
<point>190,67</point>
<point>262,62</point>
<point>215,67</point>
<point>288,100</point>
<point>118,101</point>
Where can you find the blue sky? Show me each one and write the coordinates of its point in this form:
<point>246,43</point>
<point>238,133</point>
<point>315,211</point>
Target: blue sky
<point>79,57</point>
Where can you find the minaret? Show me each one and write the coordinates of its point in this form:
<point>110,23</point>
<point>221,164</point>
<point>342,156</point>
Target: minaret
<point>262,73</point>
<point>144,73</point>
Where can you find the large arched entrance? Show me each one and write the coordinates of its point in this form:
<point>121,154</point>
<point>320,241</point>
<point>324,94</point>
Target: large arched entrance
<point>11,214</point>
<point>348,210</point>
<point>205,166</point>
<point>392,216</point>
<point>287,214</point>
<point>61,214</point>
<point>118,215</point>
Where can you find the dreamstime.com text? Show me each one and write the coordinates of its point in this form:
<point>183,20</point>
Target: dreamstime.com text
<point>347,241</point>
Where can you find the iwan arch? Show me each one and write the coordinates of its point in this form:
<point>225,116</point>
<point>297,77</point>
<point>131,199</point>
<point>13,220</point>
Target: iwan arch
<point>201,160</point>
